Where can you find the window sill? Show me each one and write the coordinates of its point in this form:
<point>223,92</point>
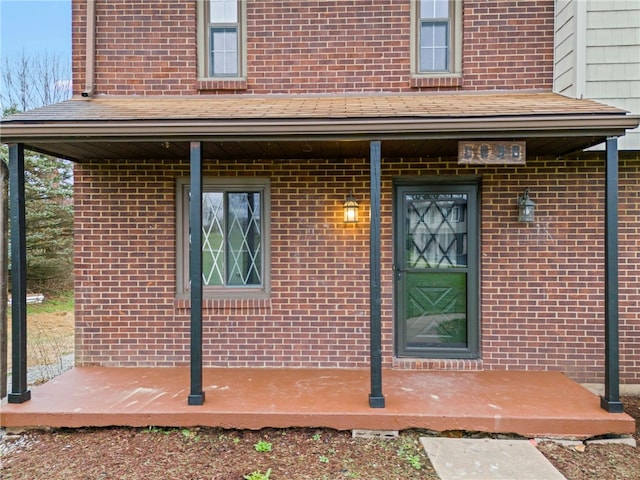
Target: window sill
<point>245,305</point>
<point>436,81</point>
<point>205,84</point>
<point>443,364</point>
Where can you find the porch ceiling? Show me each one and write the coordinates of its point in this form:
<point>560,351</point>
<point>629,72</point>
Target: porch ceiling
<point>300,126</point>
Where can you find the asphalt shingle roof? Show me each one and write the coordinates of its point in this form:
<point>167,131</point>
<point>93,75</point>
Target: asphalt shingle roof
<point>111,127</point>
<point>238,107</point>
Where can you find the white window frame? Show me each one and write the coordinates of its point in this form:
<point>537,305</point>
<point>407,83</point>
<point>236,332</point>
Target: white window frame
<point>223,184</point>
<point>455,42</point>
<point>204,42</point>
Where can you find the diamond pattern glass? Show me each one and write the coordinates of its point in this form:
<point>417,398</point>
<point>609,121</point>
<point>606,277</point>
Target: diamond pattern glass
<point>437,236</point>
<point>232,239</point>
<point>244,239</point>
<point>212,238</point>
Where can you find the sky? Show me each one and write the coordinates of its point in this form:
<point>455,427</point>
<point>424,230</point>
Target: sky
<point>35,27</point>
<point>36,30</point>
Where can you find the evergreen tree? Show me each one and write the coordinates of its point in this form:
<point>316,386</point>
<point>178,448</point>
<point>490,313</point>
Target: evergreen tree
<point>31,82</point>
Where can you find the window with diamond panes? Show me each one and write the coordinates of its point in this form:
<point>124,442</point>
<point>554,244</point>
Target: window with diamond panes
<point>234,237</point>
<point>231,233</point>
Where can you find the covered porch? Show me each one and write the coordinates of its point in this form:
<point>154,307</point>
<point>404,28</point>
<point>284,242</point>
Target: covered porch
<point>526,403</point>
<point>369,127</point>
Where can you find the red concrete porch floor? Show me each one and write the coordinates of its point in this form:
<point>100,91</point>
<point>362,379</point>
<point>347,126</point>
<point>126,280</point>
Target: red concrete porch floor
<point>526,403</point>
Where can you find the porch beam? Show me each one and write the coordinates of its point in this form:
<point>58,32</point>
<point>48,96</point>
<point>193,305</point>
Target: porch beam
<point>611,399</point>
<point>20,392</point>
<point>196,396</point>
<point>376,399</point>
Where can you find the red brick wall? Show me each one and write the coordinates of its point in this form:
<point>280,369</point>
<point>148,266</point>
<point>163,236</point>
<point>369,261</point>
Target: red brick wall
<point>149,47</point>
<point>542,284</point>
<point>126,307</point>
<point>508,44</point>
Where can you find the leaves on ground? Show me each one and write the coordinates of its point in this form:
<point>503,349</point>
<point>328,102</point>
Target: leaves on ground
<point>210,453</point>
<point>613,461</point>
<point>291,454</point>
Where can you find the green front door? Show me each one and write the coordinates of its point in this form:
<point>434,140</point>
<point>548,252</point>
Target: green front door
<point>436,270</point>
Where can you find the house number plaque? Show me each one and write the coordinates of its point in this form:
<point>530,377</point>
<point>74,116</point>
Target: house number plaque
<point>491,153</point>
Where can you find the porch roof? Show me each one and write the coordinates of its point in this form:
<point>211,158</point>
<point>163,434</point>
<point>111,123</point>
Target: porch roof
<point>302,126</point>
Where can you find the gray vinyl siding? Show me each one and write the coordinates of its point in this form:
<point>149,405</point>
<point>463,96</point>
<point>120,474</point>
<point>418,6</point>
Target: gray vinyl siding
<point>607,38</point>
<point>565,48</point>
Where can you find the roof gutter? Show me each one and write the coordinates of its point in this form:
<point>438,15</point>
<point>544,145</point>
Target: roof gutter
<point>283,129</point>
<point>90,53</point>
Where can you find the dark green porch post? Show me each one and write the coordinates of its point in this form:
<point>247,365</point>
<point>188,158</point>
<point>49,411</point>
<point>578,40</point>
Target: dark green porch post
<point>4,275</point>
<point>376,399</point>
<point>19,389</point>
<point>611,399</point>
<point>196,397</point>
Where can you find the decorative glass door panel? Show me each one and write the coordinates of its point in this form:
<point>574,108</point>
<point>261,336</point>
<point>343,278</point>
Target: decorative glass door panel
<point>436,309</point>
<point>435,271</point>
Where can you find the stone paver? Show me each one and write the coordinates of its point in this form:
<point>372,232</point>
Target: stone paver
<point>488,459</point>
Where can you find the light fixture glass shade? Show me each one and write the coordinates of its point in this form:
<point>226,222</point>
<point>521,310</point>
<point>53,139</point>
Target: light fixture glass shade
<point>526,208</point>
<point>350,210</point>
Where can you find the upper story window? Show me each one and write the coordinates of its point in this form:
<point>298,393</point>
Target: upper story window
<point>221,39</point>
<point>437,37</point>
<point>434,35</point>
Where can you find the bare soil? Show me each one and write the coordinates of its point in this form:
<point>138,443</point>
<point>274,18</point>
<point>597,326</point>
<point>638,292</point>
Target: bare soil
<point>270,454</point>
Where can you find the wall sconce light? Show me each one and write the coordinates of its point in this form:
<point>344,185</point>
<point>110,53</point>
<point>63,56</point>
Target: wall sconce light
<point>350,209</point>
<point>526,208</point>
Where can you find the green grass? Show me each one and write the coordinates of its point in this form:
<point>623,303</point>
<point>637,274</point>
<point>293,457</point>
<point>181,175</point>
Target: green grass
<point>53,305</point>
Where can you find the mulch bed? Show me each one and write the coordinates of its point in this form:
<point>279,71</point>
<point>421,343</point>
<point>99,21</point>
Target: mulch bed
<point>269,454</point>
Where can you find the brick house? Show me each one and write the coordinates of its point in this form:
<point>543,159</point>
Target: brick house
<point>434,116</point>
